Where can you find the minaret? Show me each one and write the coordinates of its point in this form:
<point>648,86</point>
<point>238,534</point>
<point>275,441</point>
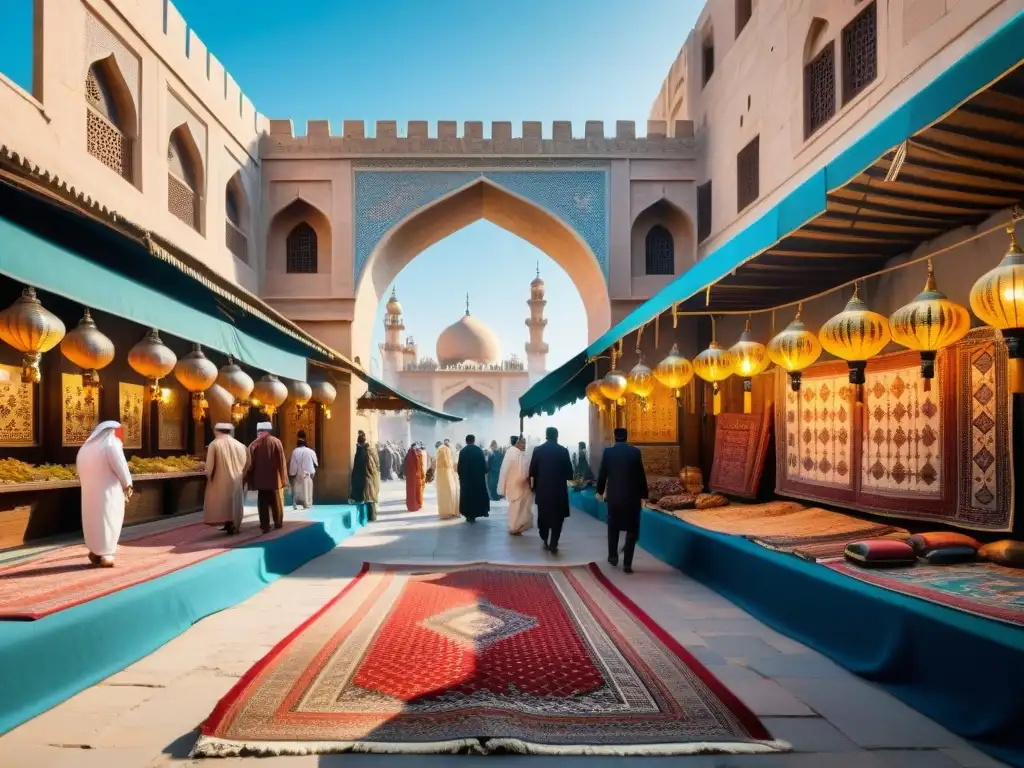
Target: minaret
<point>392,350</point>
<point>536,349</point>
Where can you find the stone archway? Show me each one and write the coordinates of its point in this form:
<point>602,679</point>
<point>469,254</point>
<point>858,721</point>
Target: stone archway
<point>470,404</point>
<point>479,199</point>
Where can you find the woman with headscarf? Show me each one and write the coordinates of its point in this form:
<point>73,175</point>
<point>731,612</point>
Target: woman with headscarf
<point>414,480</point>
<point>106,486</point>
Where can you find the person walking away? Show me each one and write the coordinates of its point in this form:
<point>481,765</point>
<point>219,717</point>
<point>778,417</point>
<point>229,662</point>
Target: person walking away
<point>357,481</point>
<point>447,483</point>
<point>268,476</point>
<point>302,468</point>
<point>227,462</point>
<point>622,480</point>
<point>371,492</point>
<point>550,475</point>
<point>385,458</point>
<point>514,485</point>
<point>472,468</point>
<point>106,486</point>
<point>414,480</point>
<point>494,459</point>
<point>583,470</point>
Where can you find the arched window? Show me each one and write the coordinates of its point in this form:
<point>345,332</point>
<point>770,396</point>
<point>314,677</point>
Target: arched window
<point>109,118</point>
<point>301,247</point>
<point>235,219</point>
<point>660,252</point>
<point>231,206</point>
<point>184,181</point>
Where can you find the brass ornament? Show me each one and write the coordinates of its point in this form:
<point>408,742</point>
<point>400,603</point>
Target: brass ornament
<point>269,394</point>
<point>152,360</point>
<point>794,350</point>
<point>854,335</point>
<point>300,393</point>
<point>614,386</point>
<point>997,298</point>
<point>594,395</point>
<point>325,394</point>
<point>714,365</point>
<point>89,349</point>
<point>239,385</point>
<point>929,323</point>
<point>674,372</point>
<point>641,382</point>
<point>196,372</point>
<point>31,329</point>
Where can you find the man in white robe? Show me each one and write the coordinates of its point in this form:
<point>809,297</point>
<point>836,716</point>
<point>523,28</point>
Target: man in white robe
<point>227,462</point>
<point>302,468</point>
<point>447,483</point>
<point>514,485</point>
<point>106,486</point>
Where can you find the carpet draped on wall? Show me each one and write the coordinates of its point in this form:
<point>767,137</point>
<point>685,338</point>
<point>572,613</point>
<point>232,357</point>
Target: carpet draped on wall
<point>941,454</point>
<point>741,446</point>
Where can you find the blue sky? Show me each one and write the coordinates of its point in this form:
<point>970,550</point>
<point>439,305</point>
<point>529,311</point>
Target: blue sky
<point>443,60</point>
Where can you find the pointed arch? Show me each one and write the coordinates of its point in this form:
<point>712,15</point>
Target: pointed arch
<point>236,217</point>
<point>470,403</point>
<point>819,64</point>
<point>661,236</point>
<point>185,177</point>
<point>299,245</point>
<point>111,117</point>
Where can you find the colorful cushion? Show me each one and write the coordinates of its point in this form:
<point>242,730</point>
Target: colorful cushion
<point>1007,553</point>
<point>924,543</point>
<point>709,500</point>
<point>677,501</point>
<point>880,552</point>
<point>658,487</point>
<point>957,553</point>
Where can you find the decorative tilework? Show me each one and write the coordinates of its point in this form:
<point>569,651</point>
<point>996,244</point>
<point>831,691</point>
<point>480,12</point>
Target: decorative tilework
<point>17,410</point>
<point>384,198</point>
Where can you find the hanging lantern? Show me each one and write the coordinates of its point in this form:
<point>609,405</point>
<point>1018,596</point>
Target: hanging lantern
<point>32,330</point>
<point>749,358</point>
<point>997,298</point>
<point>269,394</point>
<point>219,401</point>
<point>152,360</point>
<point>89,349</point>
<point>594,395</point>
<point>714,364</point>
<point>614,385</point>
<point>674,372</point>
<point>325,394</point>
<point>300,393</point>
<point>641,382</point>
<point>795,349</point>
<point>854,335</point>
<point>239,385</point>
<point>196,372</point>
<point>929,323</point>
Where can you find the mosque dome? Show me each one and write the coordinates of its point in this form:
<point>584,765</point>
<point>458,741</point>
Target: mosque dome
<point>468,340</point>
<point>537,286</point>
<point>394,308</point>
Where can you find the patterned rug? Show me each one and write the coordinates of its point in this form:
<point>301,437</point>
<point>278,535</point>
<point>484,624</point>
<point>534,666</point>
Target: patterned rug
<point>63,578</point>
<point>983,589</point>
<point>828,546</point>
<point>735,517</point>
<point>741,446</point>
<point>481,658</point>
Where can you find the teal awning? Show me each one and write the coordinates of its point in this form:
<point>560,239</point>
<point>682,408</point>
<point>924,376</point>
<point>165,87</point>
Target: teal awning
<point>378,388</point>
<point>846,197</point>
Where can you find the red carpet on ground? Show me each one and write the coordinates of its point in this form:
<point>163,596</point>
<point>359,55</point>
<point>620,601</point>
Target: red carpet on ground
<point>481,658</point>
<point>63,578</point>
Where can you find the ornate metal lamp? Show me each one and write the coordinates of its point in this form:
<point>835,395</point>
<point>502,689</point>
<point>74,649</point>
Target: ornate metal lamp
<point>594,395</point>
<point>750,358</point>
<point>269,394</point>
<point>854,335</point>
<point>89,349</point>
<point>929,323</point>
<point>674,372</point>
<point>614,385</point>
<point>152,360</point>
<point>300,393</point>
<point>641,382</point>
<point>239,385</point>
<point>325,394</point>
<point>795,349</point>
<point>997,298</point>
<point>31,329</point>
<point>714,365</point>
<point>196,372</point>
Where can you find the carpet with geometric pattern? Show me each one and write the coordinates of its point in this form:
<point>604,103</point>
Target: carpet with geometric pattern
<point>481,659</point>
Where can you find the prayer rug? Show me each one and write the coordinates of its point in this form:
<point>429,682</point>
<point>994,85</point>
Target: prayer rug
<point>480,658</point>
<point>983,589</point>
<point>63,578</point>
<point>828,546</point>
<point>741,446</point>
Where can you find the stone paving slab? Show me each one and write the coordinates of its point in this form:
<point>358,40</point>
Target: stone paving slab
<point>146,715</point>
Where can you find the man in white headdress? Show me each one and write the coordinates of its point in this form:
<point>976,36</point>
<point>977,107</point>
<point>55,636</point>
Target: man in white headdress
<point>106,485</point>
<point>227,462</point>
<point>514,485</point>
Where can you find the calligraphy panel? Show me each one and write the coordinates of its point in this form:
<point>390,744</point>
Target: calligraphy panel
<point>171,422</point>
<point>17,410</point>
<point>295,419</point>
<point>658,423</point>
<point>80,410</point>
<point>131,399</point>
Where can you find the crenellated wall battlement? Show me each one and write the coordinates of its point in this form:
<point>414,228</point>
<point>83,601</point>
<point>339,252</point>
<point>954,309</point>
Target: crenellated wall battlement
<point>444,138</point>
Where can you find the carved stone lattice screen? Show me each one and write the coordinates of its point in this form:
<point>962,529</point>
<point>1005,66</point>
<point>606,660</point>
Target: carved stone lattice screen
<point>236,241</point>
<point>181,201</point>
<point>108,145</point>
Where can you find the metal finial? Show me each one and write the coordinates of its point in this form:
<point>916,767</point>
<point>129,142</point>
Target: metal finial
<point>538,269</point>
<point>467,303</point>
<point>393,297</point>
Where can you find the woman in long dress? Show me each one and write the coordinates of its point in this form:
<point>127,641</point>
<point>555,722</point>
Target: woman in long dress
<point>514,485</point>
<point>413,480</point>
<point>447,484</point>
<point>106,486</point>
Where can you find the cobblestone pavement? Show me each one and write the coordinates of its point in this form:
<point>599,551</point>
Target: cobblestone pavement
<point>147,714</point>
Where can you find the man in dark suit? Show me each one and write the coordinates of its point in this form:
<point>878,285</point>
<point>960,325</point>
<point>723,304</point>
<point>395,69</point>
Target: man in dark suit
<point>622,475</point>
<point>550,475</point>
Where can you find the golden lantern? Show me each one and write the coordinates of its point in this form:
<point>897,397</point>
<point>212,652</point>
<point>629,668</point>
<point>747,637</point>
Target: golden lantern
<point>300,393</point>
<point>749,358</point>
<point>795,349</point>
<point>594,395</point>
<point>269,394</point>
<point>32,330</point>
<point>614,385</point>
<point>239,385</point>
<point>196,372</point>
<point>89,349</point>
<point>929,323</point>
<point>325,394</point>
<point>641,382</point>
<point>152,360</point>
<point>854,335</point>
<point>714,364</point>
<point>674,372</point>
<point>997,298</point>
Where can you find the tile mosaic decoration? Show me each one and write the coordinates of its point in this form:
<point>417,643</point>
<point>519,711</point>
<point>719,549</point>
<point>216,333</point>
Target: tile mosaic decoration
<point>384,198</point>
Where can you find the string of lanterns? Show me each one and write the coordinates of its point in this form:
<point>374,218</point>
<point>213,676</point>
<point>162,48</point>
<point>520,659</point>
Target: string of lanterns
<point>927,324</point>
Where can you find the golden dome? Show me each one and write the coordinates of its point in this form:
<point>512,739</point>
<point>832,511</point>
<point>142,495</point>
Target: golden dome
<point>393,307</point>
<point>467,340</point>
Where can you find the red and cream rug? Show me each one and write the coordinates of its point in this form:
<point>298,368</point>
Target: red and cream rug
<point>482,658</point>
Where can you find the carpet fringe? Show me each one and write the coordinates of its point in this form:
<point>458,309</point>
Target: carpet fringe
<point>211,746</point>
<point>639,750</point>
